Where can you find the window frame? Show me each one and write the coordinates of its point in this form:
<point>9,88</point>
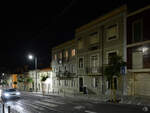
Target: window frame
<point>141,29</point>
<point>79,63</point>
<point>108,52</point>
<point>117,34</point>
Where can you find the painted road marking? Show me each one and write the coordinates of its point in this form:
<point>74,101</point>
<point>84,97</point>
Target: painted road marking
<point>79,107</point>
<point>90,111</point>
<point>47,104</point>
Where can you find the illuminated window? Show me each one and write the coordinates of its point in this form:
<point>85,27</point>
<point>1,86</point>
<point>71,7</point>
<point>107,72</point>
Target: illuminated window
<point>66,54</point>
<point>73,52</point>
<point>55,57</point>
<point>111,32</point>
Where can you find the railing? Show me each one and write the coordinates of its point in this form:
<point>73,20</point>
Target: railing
<point>93,70</point>
<point>65,74</point>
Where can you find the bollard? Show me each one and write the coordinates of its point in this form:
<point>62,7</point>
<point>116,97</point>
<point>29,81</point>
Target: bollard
<point>8,109</point>
<point>3,108</point>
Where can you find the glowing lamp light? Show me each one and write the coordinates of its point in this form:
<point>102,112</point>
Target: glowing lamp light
<point>30,57</point>
<point>144,49</point>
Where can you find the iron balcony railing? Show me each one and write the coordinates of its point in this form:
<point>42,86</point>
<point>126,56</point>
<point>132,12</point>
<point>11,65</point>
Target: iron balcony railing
<point>65,74</point>
<point>93,70</point>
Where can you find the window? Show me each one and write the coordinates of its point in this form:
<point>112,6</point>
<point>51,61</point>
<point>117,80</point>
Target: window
<point>80,43</point>
<point>73,52</point>
<point>66,54</point>
<point>95,82</point>
<point>60,55</point>
<point>111,54</point>
<point>111,32</point>
<point>94,63</point>
<point>137,31</point>
<point>71,83</point>
<point>80,62</point>
<point>93,38</point>
<point>137,60</point>
<point>65,82</point>
<point>55,57</point>
<point>59,83</point>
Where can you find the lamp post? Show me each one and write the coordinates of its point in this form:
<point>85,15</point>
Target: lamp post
<point>31,57</point>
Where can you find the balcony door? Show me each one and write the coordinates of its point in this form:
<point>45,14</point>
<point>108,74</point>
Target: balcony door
<point>81,84</point>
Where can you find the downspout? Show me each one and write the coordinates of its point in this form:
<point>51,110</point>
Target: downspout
<point>102,31</point>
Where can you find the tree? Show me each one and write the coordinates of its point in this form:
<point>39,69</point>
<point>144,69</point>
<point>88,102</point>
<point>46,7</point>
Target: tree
<point>43,79</point>
<point>28,80</point>
<point>21,80</point>
<point>112,70</point>
<point>24,80</point>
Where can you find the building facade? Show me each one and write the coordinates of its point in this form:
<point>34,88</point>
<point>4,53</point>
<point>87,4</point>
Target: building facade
<point>138,52</point>
<point>96,43</point>
<point>81,71</point>
<point>64,65</point>
<point>36,75</point>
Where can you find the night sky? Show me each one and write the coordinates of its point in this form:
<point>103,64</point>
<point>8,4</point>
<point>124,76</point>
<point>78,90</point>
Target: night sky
<point>37,27</point>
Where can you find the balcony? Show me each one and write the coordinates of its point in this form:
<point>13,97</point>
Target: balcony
<point>65,75</point>
<point>93,70</point>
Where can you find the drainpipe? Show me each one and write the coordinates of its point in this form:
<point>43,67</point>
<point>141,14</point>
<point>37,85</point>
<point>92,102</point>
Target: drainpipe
<point>103,82</point>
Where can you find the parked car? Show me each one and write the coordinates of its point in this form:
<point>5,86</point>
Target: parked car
<point>10,93</point>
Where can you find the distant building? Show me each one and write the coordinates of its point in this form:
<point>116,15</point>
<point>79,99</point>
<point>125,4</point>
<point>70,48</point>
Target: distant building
<point>37,78</point>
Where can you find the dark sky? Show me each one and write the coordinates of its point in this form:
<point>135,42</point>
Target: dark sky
<point>37,27</point>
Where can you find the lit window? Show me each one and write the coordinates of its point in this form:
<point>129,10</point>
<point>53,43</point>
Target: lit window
<point>66,54</point>
<point>55,57</point>
<point>73,52</point>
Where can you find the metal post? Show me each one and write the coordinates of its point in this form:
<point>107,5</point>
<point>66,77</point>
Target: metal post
<point>3,108</point>
<point>36,72</point>
<point>8,109</point>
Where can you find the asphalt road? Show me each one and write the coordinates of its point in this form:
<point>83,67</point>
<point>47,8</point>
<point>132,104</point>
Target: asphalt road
<point>32,103</point>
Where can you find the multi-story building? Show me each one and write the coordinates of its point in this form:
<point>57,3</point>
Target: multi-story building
<point>138,52</point>
<point>96,42</point>
<point>78,64</point>
<point>64,64</point>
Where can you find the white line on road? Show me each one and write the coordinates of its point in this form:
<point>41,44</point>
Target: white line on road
<point>90,111</point>
<point>47,104</point>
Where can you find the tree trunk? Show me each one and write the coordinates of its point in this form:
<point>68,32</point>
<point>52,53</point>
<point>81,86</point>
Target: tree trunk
<point>43,88</point>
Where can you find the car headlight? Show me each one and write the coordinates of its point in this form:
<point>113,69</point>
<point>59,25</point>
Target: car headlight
<point>6,94</point>
<point>18,93</point>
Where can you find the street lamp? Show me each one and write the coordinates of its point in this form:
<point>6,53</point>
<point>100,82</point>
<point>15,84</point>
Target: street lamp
<point>31,57</point>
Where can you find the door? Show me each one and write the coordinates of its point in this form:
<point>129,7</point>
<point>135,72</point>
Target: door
<point>81,84</point>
